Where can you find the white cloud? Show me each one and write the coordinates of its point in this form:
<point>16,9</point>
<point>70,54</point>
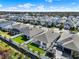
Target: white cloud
<point>39,8</point>
<point>27,5</point>
<point>63,9</point>
<point>49,1</point>
<point>12,8</point>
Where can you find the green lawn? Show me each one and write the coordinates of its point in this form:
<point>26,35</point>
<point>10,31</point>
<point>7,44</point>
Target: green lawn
<point>35,47</point>
<point>4,34</point>
<point>20,39</point>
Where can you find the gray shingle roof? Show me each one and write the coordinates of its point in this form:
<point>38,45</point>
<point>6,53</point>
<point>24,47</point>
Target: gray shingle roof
<point>47,37</point>
<point>64,34</point>
<point>71,42</point>
<point>71,46</point>
<point>6,23</point>
<point>30,31</point>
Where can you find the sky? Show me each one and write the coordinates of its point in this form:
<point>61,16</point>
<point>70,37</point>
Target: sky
<point>39,5</point>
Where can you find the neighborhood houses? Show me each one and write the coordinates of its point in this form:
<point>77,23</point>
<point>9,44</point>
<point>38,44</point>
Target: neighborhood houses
<point>42,35</point>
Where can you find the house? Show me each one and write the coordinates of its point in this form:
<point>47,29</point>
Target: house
<point>77,18</point>
<point>3,20</point>
<point>64,34</point>
<point>68,44</point>
<point>28,30</point>
<point>7,24</point>
<point>44,40</point>
<point>42,21</point>
<point>13,17</point>
<point>71,18</point>
<point>64,18</point>
<point>49,21</point>
<point>36,19</point>
<point>31,32</point>
<point>57,21</point>
<point>68,25</point>
<point>19,26</point>
<point>77,25</point>
<point>13,32</point>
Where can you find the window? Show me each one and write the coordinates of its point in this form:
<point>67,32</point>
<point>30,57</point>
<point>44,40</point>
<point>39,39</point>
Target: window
<point>44,45</point>
<point>38,42</point>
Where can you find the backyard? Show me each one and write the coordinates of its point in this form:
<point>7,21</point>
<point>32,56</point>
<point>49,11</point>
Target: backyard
<point>20,39</point>
<point>35,48</point>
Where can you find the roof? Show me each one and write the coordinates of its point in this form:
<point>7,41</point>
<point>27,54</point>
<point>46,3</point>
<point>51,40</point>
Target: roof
<point>71,46</point>
<point>64,34</point>
<point>6,23</point>
<point>28,30</point>
<point>31,31</point>
<point>71,42</point>
<point>18,26</point>
<point>47,37</point>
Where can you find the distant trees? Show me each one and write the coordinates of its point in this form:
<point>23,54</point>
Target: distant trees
<point>61,26</point>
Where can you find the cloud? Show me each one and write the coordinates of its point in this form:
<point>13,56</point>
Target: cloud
<point>12,8</point>
<point>31,7</point>
<point>63,9</point>
<point>27,5</point>
<point>39,8</point>
<point>49,1</point>
<point>42,8</point>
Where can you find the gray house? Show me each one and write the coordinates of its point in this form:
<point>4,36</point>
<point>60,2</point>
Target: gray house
<point>27,30</point>
<point>7,24</point>
<point>44,40</point>
<point>69,44</point>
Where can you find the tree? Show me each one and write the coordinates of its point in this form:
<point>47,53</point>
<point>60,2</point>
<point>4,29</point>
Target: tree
<point>61,26</point>
<point>72,28</point>
<point>30,13</point>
